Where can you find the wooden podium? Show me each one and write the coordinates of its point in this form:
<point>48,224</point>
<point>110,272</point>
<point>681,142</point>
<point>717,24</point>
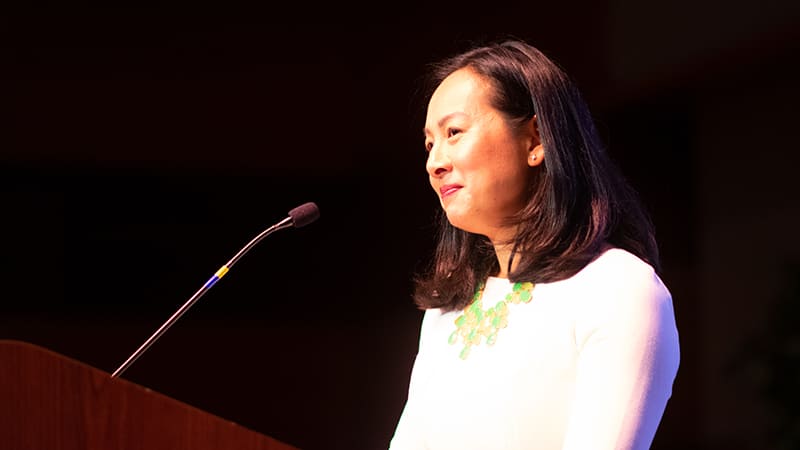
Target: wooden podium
<point>51,402</point>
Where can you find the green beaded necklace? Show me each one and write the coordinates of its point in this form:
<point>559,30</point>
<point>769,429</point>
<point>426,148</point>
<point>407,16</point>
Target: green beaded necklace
<point>475,323</point>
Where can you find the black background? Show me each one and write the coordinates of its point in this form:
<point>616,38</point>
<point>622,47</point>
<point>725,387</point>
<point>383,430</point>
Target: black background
<point>141,145</point>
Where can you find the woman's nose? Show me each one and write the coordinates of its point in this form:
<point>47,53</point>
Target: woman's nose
<point>438,163</point>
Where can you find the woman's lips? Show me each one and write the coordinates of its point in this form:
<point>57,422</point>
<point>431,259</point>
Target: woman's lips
<point>449,189</point>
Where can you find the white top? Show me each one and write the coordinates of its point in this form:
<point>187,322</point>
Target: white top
<point>587,364</point>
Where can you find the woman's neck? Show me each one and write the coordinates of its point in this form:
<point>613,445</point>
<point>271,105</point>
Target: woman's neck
<point>503,253</point>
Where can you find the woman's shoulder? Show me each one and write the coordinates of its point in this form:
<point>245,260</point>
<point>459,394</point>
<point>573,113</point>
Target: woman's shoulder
<point>618,295</point>
<point>618,279</point>
<point>616,265</point>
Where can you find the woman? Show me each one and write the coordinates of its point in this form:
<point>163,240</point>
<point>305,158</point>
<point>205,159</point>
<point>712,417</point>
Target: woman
<point>546,325</point>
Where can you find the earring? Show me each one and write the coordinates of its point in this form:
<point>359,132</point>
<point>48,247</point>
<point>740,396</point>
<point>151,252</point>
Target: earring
<point>533,157</point>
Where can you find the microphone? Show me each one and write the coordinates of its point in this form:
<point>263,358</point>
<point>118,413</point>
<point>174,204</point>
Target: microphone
<point>297,217</point>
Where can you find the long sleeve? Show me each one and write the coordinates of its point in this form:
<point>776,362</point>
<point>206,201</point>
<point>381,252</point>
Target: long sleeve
<point>628,357</point>
<point>408,433</point>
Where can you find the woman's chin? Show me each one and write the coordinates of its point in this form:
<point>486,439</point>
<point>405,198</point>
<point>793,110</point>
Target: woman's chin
<point>460,221</point>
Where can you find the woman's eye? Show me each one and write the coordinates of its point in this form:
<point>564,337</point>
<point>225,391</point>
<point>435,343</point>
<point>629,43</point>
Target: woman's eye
<point>452,132</point>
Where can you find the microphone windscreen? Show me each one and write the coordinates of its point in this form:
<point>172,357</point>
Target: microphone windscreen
<point>304,214</point>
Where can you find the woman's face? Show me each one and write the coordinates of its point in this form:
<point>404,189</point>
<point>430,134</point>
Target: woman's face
<point>477,164</point>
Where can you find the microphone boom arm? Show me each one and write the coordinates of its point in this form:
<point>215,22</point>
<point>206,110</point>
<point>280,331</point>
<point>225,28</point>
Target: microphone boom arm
<point>285,223</point>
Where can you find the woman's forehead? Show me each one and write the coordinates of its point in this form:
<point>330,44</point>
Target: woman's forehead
<point>463,91</point>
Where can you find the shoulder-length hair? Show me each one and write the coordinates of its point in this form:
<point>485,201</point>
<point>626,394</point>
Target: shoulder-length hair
<point>578,200</point>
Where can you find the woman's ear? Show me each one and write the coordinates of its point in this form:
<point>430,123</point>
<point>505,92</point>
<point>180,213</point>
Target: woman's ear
<point>535,148</point>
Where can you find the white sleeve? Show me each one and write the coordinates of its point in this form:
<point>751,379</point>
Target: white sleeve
<point>629,357</point>
<point>407,434</point>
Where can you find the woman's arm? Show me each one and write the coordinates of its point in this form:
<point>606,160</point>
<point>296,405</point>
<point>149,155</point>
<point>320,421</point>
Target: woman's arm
<point>629,356</point>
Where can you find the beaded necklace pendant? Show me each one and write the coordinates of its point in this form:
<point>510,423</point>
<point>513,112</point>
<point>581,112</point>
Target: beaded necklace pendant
<point>476,324</point>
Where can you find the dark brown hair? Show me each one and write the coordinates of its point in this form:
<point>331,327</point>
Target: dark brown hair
<point>578,200</point>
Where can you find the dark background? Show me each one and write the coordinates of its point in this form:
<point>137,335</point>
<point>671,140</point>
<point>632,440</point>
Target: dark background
<point>141,145</point>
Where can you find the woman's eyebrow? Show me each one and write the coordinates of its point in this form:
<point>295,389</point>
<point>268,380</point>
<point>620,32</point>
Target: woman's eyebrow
<point>440,122</point>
